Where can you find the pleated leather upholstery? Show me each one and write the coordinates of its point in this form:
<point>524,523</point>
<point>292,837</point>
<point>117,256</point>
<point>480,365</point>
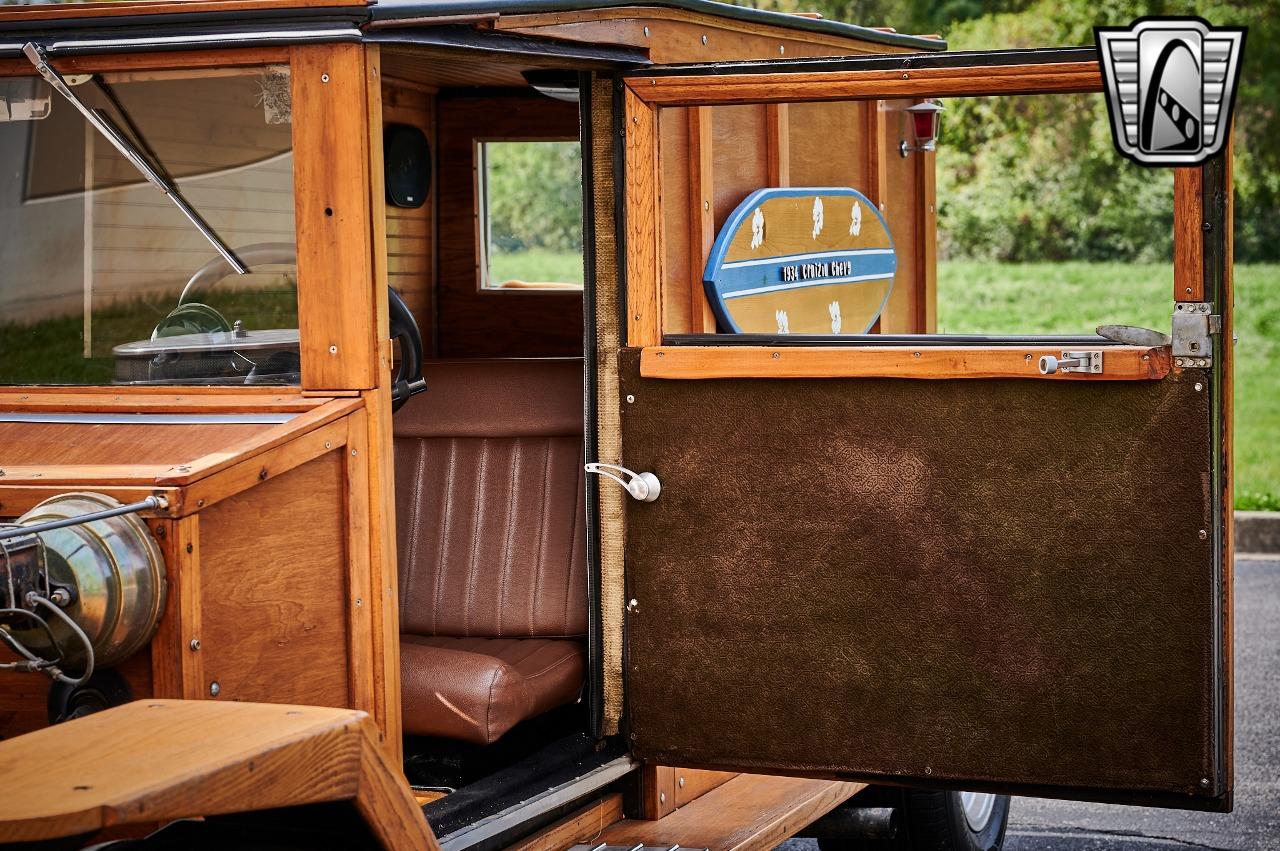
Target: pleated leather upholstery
<point>492,545</point>
<point>492,539</point>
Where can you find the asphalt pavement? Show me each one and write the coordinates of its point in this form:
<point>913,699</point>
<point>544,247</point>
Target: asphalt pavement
<point>1038,824</point>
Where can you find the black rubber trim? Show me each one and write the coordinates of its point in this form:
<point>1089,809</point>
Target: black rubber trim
<point>590,448</point>
<point>1215,198</point>
<point>153,24</point>
<point>387,12</point>
<point>59,43</point>
<point>868,340</point>
<point>561,54</point>
<point>890,62</point>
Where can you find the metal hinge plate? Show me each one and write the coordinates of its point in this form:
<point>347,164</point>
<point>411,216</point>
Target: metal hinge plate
<point>1194,325</point>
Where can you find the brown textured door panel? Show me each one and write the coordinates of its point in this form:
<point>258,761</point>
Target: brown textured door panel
<point>979,584</point>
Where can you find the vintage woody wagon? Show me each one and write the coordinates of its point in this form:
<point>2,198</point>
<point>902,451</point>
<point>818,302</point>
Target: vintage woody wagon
<point>302,543</point>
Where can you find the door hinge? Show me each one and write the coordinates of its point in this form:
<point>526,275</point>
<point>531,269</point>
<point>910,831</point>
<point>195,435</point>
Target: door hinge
<point>1194,325</point>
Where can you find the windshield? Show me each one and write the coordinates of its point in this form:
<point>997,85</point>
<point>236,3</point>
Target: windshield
<point>104,279</point>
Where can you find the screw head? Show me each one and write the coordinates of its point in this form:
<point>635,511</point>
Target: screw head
<point>215,689</point>
<point>359,602</point>
<point>662,797</point>
<point>333,350</point>
<point>630,398</point>
<point>195,645</point>
<point>1205,782</point>
<point>680,782</point>
<point>704,39</point>
<point>1203,534</point>
<point>777,355</point>
<point>1199,386</point>
<point>324,78</point>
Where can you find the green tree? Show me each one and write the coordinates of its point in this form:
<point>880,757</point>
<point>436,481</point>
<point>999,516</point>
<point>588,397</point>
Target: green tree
<point>1037,178</point>
<point>534,195</point>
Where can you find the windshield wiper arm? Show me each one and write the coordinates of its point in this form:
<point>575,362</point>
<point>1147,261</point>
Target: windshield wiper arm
<point>104,125</point>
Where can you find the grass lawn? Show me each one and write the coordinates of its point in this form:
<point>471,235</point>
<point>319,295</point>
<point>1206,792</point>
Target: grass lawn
<point>1061,298</point>
<point>536,265</point>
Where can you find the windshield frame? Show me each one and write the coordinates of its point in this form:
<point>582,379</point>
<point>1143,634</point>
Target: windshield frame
<point>342,320</point>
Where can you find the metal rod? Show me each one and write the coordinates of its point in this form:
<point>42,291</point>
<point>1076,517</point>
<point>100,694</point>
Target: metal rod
<point>147,504</point>
<point>104,125</point>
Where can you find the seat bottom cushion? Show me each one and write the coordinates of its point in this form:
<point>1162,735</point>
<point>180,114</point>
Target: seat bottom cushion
<point>476,689</point>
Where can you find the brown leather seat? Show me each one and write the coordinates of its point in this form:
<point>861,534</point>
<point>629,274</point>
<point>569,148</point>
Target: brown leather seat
<point>492,545</point>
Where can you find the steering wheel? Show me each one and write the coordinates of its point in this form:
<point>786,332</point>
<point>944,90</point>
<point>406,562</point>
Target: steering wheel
<point>191,316</point>
<point>408,380</point>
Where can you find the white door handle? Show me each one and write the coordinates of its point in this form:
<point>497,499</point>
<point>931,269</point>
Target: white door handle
<point>644,487</point>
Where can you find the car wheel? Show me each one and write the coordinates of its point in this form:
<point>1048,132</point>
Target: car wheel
<point>931,821</point>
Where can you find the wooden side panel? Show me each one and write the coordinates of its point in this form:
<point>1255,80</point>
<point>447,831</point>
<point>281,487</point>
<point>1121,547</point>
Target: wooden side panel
<point>472,323</point>
<point>273,590</point>
<point>643,234</point>
<point>664,788</point>
<point>22,700</point>
<point>904,314</point>
<point>679,199</point>
<point>410,255</point>
<point>383,601</point>
<point>739,156</point>
<point>828,144</point>
<point>331,144</point>
<point>1188,238</point>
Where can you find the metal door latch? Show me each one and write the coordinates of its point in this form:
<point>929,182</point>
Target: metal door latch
<point>1194,325</point>
<point>644,487</point>
<point>1087,361</point>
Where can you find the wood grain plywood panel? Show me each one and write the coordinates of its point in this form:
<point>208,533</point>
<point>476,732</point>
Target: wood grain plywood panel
<point>828,144</point>
<point>674,173</point>
<point>470,322</point>
<point>273,589</point>
<point>409,247</point>
<point>337,302</point>
<point>77,443</point>
<point>904,313</point>
<point>739,156</point>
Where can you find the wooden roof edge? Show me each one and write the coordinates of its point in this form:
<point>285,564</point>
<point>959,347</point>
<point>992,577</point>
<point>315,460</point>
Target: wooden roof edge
<point>84,18</point>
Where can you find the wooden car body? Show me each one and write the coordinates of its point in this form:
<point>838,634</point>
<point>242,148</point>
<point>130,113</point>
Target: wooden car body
<point>279,526</point>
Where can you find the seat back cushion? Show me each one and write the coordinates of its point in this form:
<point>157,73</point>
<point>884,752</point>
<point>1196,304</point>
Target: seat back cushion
<point>490,520</point>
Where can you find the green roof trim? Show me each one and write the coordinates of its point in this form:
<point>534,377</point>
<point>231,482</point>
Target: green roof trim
<point>386,12</point>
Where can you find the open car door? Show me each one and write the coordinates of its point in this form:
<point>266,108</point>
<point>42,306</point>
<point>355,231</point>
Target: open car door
<point>919,559</point>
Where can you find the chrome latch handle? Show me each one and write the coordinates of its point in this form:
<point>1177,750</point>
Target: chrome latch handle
<point>1088,362</point>
<point>644,487</point>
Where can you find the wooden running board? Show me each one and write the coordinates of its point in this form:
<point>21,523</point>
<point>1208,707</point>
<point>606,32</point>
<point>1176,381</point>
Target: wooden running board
<point>154,761</point>
<point>751,812</point>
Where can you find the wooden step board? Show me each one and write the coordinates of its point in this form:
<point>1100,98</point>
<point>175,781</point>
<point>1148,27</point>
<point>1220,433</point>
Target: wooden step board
<point>751,812</point>
<point>153,761</point>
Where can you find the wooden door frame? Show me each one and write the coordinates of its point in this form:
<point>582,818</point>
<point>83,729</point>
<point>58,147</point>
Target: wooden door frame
<point>1203,238</point>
